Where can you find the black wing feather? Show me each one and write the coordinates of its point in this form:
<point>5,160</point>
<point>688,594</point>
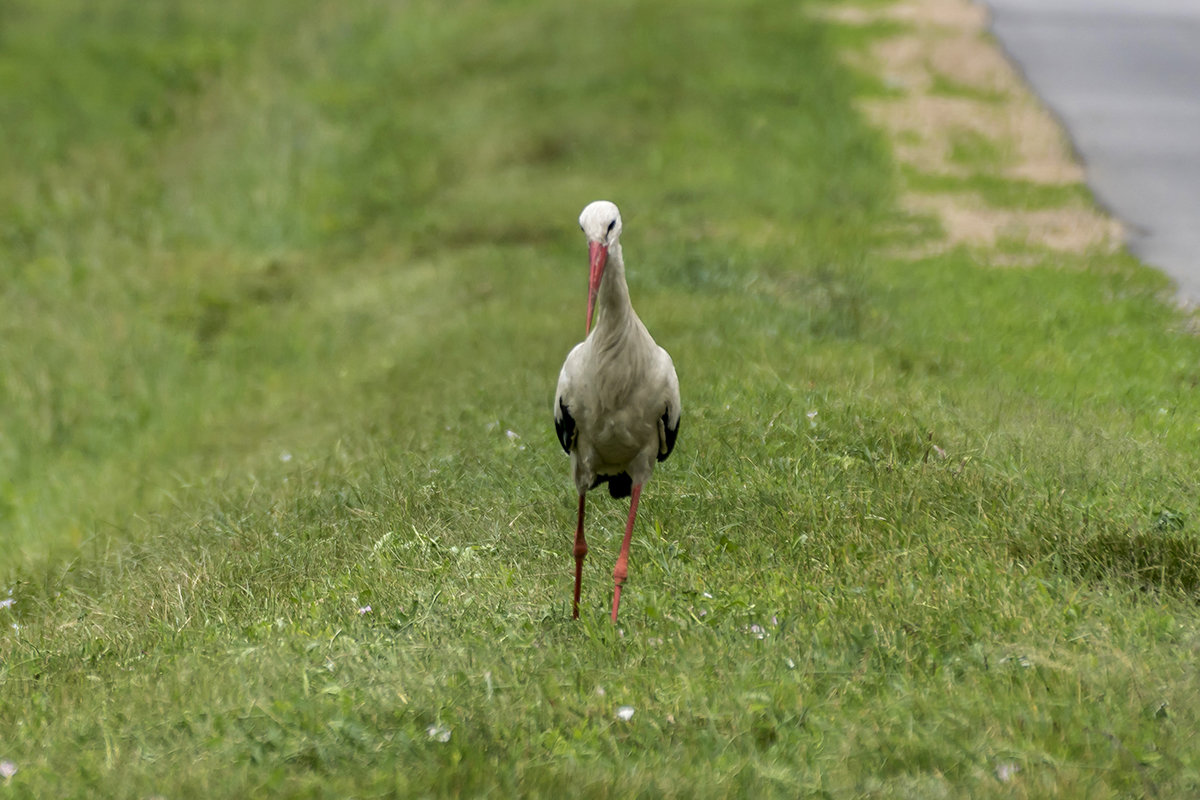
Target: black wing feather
<point>619,485</point>
<point>564,425</point>
<point>670,432</point>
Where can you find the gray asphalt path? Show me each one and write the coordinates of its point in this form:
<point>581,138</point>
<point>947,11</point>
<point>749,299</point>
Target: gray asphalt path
<point>1123,76</point>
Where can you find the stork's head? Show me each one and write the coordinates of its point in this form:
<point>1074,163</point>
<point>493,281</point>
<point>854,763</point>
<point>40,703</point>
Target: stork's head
<point>601,223</point>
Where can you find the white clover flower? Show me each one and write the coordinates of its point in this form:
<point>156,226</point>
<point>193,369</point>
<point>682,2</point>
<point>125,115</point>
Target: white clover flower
<point>625,713</point>
<point>439,733</point>
<point>7,769</point>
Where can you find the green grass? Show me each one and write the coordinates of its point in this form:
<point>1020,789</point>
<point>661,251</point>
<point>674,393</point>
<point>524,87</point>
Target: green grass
<point>1000,192</point>
<point>286,292</point>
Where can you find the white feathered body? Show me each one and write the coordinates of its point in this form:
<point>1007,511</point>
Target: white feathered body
<point>618,394</point>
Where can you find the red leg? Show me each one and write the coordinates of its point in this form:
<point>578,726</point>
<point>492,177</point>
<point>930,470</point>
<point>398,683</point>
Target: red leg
<point>622,568</point>
<point>580,552</point>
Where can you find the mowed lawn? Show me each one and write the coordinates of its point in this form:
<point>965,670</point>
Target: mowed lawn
<point>284,291</point>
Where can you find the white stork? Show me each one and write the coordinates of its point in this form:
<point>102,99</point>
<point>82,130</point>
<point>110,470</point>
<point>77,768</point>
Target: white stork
<point>617,405</point>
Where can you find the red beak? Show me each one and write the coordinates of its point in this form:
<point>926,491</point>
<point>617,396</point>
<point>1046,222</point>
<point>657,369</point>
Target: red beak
<point>597,258</point>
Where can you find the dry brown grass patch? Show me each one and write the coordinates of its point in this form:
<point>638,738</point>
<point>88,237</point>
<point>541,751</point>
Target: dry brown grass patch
<point>951,81</point>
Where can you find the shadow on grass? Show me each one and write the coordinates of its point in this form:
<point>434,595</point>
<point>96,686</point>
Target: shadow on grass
<point>1165,558</point>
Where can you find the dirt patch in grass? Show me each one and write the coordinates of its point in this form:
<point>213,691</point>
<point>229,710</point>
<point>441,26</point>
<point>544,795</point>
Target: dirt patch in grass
<point>955,106</point>
<point>967,219</point>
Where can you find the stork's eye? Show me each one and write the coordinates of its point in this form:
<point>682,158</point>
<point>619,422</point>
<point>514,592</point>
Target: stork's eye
<point>611,225</point>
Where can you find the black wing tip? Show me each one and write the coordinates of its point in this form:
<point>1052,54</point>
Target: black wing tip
<point>564,426</point>
<point>670,433</point>
<point>619,486</point>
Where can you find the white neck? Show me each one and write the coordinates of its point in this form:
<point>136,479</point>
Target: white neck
<point>613,308</point>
